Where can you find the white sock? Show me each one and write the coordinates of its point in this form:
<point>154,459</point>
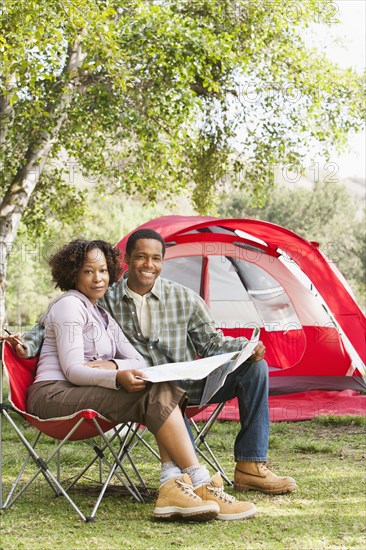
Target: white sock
<point>198,474</point>
<point>169,470</point>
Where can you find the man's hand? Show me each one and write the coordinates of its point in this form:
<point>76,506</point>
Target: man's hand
<point>127,379</point>
<point>258,353</point>
<point>16,342</point>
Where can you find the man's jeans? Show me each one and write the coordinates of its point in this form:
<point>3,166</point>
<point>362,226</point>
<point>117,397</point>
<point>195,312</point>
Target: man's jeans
<point>249,383</point>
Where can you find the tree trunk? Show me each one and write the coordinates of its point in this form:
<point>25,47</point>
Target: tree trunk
<point>21,187</point>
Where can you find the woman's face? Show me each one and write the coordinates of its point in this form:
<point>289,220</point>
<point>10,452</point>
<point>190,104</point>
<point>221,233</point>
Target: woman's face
<point>93,277</point>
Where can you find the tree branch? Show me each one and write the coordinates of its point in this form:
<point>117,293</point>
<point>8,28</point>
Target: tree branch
<point>5,113</point>
<point>20,189</point>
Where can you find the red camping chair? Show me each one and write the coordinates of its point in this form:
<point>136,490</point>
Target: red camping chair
<point>110,452</point>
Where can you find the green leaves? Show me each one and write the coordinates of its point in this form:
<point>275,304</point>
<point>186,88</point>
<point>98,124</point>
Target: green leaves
<point>172,95</point>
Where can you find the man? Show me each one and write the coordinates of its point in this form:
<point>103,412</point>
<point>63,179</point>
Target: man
<point>166,323</point>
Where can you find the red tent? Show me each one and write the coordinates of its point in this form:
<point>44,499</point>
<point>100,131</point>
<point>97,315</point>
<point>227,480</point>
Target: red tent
<point>254,273</point>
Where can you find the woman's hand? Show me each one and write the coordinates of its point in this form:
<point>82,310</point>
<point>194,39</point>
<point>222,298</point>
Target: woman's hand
<point>16,342</point>
<point>127,379</point>
<point>99,364</point>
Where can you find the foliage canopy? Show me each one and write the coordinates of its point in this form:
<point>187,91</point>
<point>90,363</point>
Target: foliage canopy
<point>153,97</point>
<point>149,95</point>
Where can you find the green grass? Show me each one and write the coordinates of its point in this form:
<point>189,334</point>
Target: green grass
<point>326,456</point>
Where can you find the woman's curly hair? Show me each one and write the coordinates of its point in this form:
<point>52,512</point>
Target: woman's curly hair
<point>70,258</point>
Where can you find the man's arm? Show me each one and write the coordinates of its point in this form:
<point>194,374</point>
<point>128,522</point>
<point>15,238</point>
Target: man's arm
<point>33,339</point>
<point>206,338</point>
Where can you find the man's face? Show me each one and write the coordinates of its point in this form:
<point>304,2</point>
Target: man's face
<point>144,265</point>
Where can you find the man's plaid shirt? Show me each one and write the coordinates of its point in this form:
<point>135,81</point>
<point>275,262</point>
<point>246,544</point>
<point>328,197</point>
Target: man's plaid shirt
<point>182,328</point>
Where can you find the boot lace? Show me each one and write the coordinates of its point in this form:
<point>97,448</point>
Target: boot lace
<point>220,493</point>
<point>264,466</point>
<point>186,488</point>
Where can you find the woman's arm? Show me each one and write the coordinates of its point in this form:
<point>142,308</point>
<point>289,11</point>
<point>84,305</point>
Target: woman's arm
<point>65,325</point>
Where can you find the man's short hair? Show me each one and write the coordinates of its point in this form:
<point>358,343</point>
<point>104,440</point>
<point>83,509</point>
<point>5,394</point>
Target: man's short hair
<point>143,234</point>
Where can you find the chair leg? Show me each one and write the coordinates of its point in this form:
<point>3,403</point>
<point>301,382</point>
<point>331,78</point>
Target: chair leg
<point>200,439</point>
<point>106,444</point>
<point>20,474</point>
<point>118,464</point>
<point>129,445</point>
<point>43,468</point>
<point>50,457</point>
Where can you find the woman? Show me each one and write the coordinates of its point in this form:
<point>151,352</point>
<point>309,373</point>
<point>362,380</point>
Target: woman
<point>87,362</point>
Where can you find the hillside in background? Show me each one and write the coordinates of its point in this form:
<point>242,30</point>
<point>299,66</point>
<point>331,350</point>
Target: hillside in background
<point>356,187</point>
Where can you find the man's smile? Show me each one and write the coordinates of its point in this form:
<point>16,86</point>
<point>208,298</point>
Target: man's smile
<point>144,265</point>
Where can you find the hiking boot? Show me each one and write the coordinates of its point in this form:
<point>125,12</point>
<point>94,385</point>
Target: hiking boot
<point>230,508</point>
<point>176,499</point>
<point>257,476</point>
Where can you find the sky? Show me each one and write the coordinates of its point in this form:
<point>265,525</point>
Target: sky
<point>345,43</point>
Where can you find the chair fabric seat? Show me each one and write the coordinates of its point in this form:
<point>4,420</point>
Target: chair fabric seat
<point>111,450</point>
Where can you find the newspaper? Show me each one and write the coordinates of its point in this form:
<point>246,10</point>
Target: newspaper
<point>215,368</point>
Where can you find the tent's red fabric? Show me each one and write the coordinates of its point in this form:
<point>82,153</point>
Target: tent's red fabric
<point>300,406</point>
<point>322,351</point>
